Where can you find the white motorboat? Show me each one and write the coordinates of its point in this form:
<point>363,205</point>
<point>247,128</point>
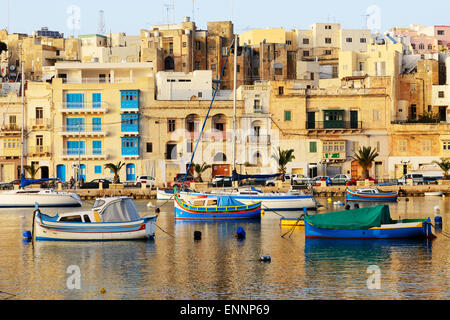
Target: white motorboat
<point>434,194</point>
<point>288,201</point>
<point>164,194</point>
<point>114,218</point>
<point>43,197</point>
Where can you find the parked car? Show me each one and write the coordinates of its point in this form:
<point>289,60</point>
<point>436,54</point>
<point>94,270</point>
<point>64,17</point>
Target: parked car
<point>417,178</point>
<point>179,179</point>
<point>352,182</point>
<point>316,181</point>
<point>222,181</point>
<point>147,180</point>
<point>340,179</point>
<point>272,182</point>
<point>431,180</point>
<point>94,184</point>
<point>300,179</point>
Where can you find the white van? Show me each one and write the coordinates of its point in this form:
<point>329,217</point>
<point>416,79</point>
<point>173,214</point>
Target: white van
<point>417,178</point>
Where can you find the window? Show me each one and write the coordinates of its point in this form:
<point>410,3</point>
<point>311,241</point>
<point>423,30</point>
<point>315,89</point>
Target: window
<point>440,32</point>
<point>184,44</point>
<point>189,147</point>
<point>421,46</point>
<point>287,115</point>
<point>313,146</point>
<point>327,27</point>
<point>430,47</point>
<point>402,145</point>
<point>280,91</point>
<point>171,125</point>
<point>197,65</point>
<point>426,145</point>
<point>327,52</point>
<point>98,169</point>
<point>278,71</point>
<point>328,40</point>
<point>361,66</point>
<point>306,53</point>
<point>257,106</point>
<point>446,145</point>
<point>96,148</point>
<point>441,94</point>
<point>198,45</point>
<point>288,42</point>
<point>349,40</point>
<point>39,113</point>
<point>96,100</point>
<point>362,40</point>
<point>149,147</point>
<point>305,41</point>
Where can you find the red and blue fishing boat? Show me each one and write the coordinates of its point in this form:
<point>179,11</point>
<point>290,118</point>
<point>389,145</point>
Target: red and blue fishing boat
<point>214,208</point>
<point>371,194</point>
<point>365,223</point>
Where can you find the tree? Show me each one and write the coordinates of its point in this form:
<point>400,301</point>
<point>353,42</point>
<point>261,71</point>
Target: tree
<point>283,157</point>
<point>32,170</point>
<point>200,168</point>
<point>365,157</point>
<point>445,166</point>
<point>115,168</point>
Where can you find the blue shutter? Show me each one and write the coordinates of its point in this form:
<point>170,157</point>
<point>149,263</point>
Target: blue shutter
<point>96,147</point>
<point>96,100</point>
<point>75,100</point>
<point>96,124</point>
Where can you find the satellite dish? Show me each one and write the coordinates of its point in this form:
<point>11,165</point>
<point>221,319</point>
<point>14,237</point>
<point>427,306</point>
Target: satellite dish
<point>12,67</point>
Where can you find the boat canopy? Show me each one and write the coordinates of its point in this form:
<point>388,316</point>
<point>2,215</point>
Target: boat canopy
<point>239,177</point>
<point>117,210</point>
<point>357,219</point>
<point>26,182</point>
<point>227,201</point>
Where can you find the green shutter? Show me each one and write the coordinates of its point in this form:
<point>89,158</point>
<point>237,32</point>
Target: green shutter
<point>287,116</point>
<point>312,146</point>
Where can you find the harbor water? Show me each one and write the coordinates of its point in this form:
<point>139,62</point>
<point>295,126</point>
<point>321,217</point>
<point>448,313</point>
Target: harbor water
<point>219,266</point>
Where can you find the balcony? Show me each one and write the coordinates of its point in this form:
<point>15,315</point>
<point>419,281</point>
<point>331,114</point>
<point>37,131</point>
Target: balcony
<point>40,124</point>
<point>39,151</point>
<point>83,131</point>
<point>99,80</point>
<point>260,139</point>
<point>10,130</point>
<point>84,108</point>
<point>334,126</point>
<point>75,154</point>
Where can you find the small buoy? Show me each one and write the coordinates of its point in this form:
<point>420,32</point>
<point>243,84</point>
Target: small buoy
<point>330,200</point>
<point>102,290</point>
<point>265,258</point>
<point>27,235</point>
<point>240,233</point>
<point>197,235</point>
<point>150,205</point>
<point>157,210</point>
<point>437,209</point>
<point>262,212</point>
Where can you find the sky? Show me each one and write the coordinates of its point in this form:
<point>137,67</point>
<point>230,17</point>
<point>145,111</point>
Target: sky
<point>130,16</point>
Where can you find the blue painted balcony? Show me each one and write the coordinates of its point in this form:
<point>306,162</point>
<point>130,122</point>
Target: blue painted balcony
<point>129,100</point>
<point>130,147</point>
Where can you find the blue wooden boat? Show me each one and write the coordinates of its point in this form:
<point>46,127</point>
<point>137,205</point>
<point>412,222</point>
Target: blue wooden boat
<point>365,223</point>
<point>370,194</point>
<point>215,208</point>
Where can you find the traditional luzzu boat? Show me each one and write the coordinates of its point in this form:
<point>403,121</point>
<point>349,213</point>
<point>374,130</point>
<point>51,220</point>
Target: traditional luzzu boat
<point>215,208</point>
<point>370,194</point>
<point>114,218</point>
<point>365,223</point>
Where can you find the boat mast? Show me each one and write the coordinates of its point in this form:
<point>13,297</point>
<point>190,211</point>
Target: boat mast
<point>234,101</point>
<point>23,119</point>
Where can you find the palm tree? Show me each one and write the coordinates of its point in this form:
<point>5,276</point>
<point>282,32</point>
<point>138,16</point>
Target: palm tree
<point>365,157</point>
<point>115,168</point>
<point>200,168</point>
<point>283,157</point>
<point>445,166</point>
<point>32,170</point>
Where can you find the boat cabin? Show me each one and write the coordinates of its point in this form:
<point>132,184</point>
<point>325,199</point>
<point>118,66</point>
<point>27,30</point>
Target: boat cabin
<point>114,209</point>
<point>368,191</point>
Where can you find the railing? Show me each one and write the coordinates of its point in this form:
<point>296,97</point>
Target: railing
<point>99,80</point>
<point>264,139</point>
<point>11,128</point>
<point>84,107</point>
<point>38,150</point>
<point>83,129</point>
<point>41,122</point>
<point>73,153</point>
<point>333,125</point>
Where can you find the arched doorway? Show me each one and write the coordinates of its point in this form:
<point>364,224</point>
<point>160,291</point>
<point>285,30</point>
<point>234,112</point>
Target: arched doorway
<point>220,157</point>
<point>61,172</point>
<point>169,64</point>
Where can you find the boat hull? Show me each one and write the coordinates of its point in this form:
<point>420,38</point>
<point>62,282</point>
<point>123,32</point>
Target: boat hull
<point>268,203</point>
<point>413,230</point>
<point>354,196</point>
<point>183,211</point>
<point>43,200</point>
<point>65,231</point>
<point>164,194</point>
